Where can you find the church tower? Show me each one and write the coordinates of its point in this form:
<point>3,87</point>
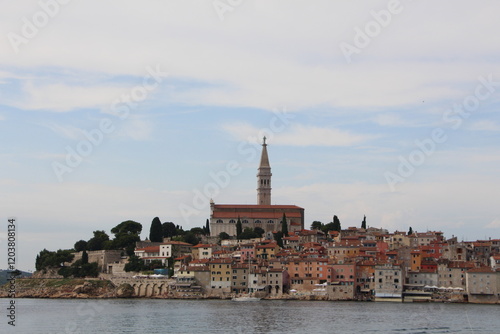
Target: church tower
<point>264,178</point>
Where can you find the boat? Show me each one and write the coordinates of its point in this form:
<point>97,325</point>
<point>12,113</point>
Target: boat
<point>245,298</point>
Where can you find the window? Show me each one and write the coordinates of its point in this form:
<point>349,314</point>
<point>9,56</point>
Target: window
<point>219,221</point>
<point>244,221</point>
<point>258,221</point>
<point>270,221</point>
<point>232,221</point>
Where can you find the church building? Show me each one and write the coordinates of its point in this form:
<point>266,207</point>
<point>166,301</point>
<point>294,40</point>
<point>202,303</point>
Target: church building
<point>223,217</point>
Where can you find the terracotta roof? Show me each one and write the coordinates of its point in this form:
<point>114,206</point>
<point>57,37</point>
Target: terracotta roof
<point>176,243</point>
<point>254,206</point>
<point>460,264</point>
<point>266,246</point>
<point>151,249</point>
<point>481,270</point>
<point>221,260</point>
<point>200,261</point>
<point>277,215</point>
<point>203,246</point>
<point>198,268</point>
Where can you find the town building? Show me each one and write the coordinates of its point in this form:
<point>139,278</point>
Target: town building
<point>483,285</point>
<point>389,279</point>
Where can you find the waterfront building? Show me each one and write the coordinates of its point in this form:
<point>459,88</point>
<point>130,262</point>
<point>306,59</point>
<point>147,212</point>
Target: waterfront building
<point>483,285</point>
<point>220,275</point>
<point>389,279</point>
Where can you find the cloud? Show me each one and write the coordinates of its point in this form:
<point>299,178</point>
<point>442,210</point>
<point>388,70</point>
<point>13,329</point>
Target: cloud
<point>484,125</point>
<point>297,135</point>
<point>65,131</point>
<point>494,224</point>
<point>63,97</point>
<point>278,63</point>
<point>135,128</point>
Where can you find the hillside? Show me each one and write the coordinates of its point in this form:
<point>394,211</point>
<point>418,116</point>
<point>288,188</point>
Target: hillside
<point>4,274</point>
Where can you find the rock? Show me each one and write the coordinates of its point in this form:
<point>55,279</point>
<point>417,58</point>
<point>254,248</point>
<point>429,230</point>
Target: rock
<point>125,291</point>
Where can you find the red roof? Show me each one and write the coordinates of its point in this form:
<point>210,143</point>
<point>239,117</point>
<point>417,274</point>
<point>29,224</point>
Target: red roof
<point>255,206</point>
<point>256,211</point>
<point>203,246</point>
<point>151,249</point>
<point>481,270</point>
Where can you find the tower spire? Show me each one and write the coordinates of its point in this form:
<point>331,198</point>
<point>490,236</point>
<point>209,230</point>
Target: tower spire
<point>264,177</point>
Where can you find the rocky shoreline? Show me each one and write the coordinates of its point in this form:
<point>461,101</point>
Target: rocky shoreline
<point>101,289</point>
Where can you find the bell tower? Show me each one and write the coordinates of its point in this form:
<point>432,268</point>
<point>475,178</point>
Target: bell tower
<point>264,178</point>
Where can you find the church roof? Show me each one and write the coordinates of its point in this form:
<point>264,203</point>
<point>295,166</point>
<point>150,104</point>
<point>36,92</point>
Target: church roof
<point>256,211</point>
<point>256,206</point>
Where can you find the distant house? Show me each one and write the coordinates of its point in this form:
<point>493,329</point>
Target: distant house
<point>389,279</point>
<point>483,285</point>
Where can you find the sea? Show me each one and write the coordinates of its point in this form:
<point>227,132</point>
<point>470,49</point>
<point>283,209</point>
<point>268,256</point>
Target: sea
<point>226,316</point>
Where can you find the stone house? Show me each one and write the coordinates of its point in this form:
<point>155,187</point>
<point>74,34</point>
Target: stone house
<point>483,285</point>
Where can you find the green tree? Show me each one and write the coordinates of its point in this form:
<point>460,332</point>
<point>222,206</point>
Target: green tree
<point>260,231</point>
<point>316,225</point>
<point>363,223</point>
<point>191,238</point>
<point>336,224</point>
<point>126,235</point>
<point>127,227</point>
<point>278,236</point>
<point>134,264</point>
<point>156,230</point>
<point>248,233</point>
<point>85,257</point>
<point>239,228</point>
<point>328,227</point>
<point>80,245</point>
<point>169,230</point>
<point>224,236</point>
<point>410,231</point>
<point>197,230</point>
<point>207,227</point>
<point>47,259</point>
<point>98,241</point>
<point>284,226</point>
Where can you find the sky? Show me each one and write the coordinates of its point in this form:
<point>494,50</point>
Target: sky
<point>118,110</point>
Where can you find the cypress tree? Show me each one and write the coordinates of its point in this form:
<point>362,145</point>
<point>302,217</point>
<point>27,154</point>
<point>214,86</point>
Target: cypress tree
<point>410,231</point>
<point>207,227</point>
<point>336,224</point>
<point>284,226</point>
<point>85,257</point>
<point>363,223</point>
<point>156,230</point>
<point>239,228</point>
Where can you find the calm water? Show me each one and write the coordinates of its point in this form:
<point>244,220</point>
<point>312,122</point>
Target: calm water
<point>186,316</point>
